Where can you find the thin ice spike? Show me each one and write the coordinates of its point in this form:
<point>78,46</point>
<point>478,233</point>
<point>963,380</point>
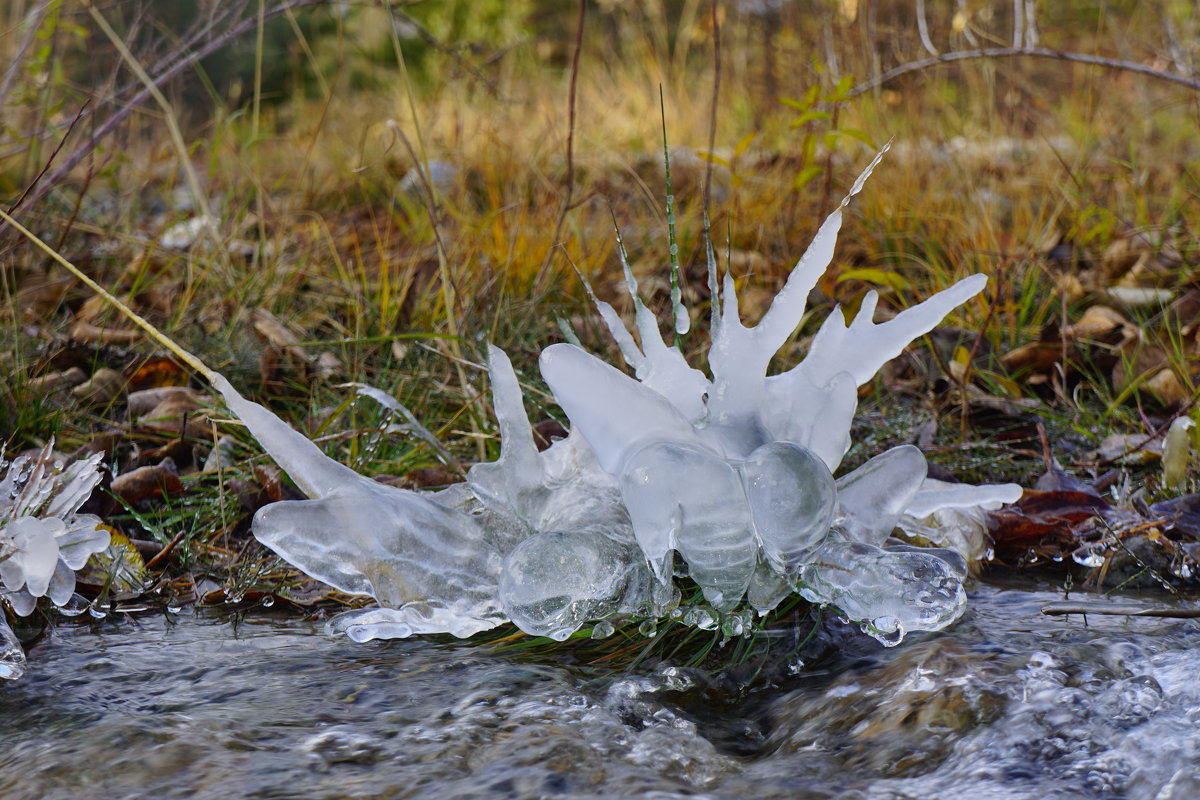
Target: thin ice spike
<point>683,322</point>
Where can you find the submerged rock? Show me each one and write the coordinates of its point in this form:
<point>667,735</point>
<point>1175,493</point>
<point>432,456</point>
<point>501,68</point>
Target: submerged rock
<point>900,719</point>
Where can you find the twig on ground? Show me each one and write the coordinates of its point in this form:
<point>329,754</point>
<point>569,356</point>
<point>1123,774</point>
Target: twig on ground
<point>1118,610</point>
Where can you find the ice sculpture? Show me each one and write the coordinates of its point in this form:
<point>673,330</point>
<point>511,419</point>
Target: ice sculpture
<point>43,539</point>
<point>727,480</point>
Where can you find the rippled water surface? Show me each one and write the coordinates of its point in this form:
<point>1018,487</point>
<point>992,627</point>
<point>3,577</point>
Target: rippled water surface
<point>1006,704</point>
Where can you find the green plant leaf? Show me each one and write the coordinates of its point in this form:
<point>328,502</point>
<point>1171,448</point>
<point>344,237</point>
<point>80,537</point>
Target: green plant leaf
<point>841,90</point>
<point>745,143</point>
<point>809,116</point>
<point>854,133</point>
<point>804,176</point>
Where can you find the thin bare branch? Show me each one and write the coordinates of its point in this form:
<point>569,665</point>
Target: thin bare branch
<point>1118,610</point>
<point>106,128</point>
<point>1030,52</point>
<point>923,29</point>
<point>33,21</point>
<point>570,179</point>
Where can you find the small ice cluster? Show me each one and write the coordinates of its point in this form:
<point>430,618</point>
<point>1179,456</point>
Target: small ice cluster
<point>43,540</point>
<point>727,480</point>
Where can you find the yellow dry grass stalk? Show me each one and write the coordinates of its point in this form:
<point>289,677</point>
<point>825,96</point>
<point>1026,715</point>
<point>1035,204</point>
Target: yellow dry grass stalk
<point>192,361</point>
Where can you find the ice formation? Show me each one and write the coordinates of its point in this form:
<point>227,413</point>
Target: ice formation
<point>43,539</point>
<point>727,480</point>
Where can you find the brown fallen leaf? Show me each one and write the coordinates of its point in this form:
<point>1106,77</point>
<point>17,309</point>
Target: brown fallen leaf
<point>87,332</point>
<point>273,331</point>
<point>1129,448</point>
<point>1034,356</point>
<point>546,432</point>
<point>181,452</point>
<point>102,388</point>
<point>156,372</point>
<point>179,415</point>
<point>1069,284</point>
<point>1140,296</point>
<point>1098,322</point>
<point>1137,360</point>
<point>281,371</point>
<point>65,379</point>
<point>146,400</point>
<point>119,568</point>
<point>267,487</point>
<point>328,366</point>
<point>106,442</point>
<point>1185,310</point>
<point>39,295</point>
<point>1166,386</point>
<point>423,478</point>
<point>144,482</point>
<point>1046,523</point>
<point>1182,515</point>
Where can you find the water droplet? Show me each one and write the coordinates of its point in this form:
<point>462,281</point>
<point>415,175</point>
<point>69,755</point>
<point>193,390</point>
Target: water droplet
<point>602,630</point>
<point>1090,555</point>
<point>268,601</point>
<point>649,629</point>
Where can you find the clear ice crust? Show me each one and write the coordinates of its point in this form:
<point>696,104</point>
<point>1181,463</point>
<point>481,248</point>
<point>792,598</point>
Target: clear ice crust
<point>727,480</point>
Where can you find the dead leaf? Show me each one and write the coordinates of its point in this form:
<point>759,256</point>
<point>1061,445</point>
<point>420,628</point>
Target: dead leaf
<point>1182,514</point>
<point>546,432</point>
<point>1068,283</point>
<point>1186,310</point>
<point>119,568</point>
<point>280,370</point>
<point>39,295</point>
<point>144,482</point>
<point>1098,322</point>
<point>1139,296</point>
<point>1033,357</point>
<point>1047,523</point>
<point>1120,257</point>
<point>102,388</point>
<point>1167,387</point>
<point>66,379</point>
<point>178,415</point>
<point>156,372</point>
<point>181,452</point>
<point>1129,448</point>
<point>423,478</point>
<point>1137,360</point>
<point>87,332</point>
<point>328,366</point>
<point>274,332</point>
<point>145,400</point>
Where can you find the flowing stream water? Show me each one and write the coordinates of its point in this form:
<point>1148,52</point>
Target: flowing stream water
<point>1006,703</point>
